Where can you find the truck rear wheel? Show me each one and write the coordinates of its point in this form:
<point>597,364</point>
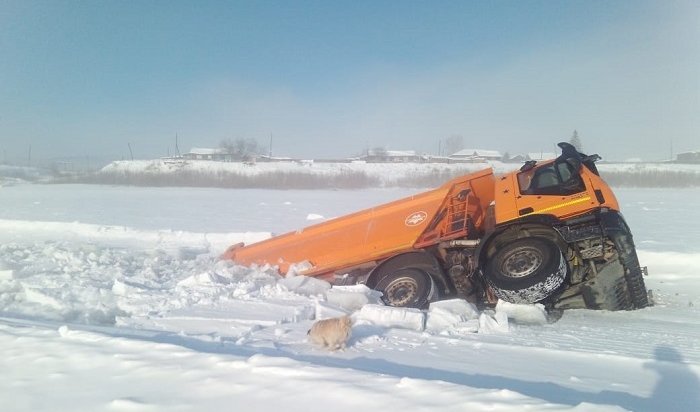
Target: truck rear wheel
<point>406,287</point>
<point>526,270</point>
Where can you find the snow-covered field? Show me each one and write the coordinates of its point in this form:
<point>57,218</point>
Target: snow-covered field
<point>112,298</point>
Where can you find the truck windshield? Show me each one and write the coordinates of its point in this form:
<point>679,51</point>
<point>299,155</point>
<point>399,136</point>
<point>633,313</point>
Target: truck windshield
<point>558,178</point>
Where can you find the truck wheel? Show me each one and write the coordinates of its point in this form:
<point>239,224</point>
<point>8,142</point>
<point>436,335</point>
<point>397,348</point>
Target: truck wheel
<point>526,270</point>
<point>406,287</point>
<point>633,272</point>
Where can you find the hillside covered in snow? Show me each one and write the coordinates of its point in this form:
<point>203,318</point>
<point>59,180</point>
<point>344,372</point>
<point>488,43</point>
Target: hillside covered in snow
<point>305,175</point>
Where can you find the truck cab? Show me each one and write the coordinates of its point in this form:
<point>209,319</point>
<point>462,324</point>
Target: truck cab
<point>565,187</point>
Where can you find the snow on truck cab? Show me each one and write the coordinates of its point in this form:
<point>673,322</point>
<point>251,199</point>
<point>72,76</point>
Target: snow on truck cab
<point>550,232</point>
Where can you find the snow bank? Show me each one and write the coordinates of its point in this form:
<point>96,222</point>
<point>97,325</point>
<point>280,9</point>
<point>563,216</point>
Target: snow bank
<point>157,166</point>
<point>386,173</point>
<point>179,242</point>
<point>282,175</point>
<point>101,284</point>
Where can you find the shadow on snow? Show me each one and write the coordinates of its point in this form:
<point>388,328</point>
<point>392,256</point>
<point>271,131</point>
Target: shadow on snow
<point>677,388</point>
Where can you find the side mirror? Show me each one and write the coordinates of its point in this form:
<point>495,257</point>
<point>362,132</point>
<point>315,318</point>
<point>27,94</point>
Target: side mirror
<point>592,158</point>
<point>528,165</point>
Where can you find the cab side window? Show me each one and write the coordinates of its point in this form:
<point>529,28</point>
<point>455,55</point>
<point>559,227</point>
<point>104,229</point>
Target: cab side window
<point>545,177</point>
<point>553,179</point>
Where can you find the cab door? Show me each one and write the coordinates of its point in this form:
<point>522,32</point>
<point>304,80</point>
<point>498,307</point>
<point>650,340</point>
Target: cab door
<point>554,188</point>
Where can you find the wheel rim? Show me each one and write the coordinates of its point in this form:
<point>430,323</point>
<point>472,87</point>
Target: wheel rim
<point>401,291</point>
<point>521,262</point>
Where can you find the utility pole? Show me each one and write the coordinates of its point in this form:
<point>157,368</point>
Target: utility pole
<point>177,148</point>
<point>671,150</point>
<point>270,153</point>
<point>130,152</point>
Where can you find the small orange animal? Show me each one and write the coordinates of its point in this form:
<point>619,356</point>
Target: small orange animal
<point>331,333</point>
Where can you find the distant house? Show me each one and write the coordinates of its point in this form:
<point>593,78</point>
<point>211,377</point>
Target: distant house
<point>476,155</point>
<point>437,159</point>
<point>541,156</point>
<point>392,156</point>
<point>688,157</point>
<point>199,153</point>
<point>517,158</point>
<point>267,158</point>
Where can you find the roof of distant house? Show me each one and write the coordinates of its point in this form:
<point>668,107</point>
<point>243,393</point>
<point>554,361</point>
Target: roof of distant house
<point>206,151</point>
<point>391,153</point>
<point>476,153</point>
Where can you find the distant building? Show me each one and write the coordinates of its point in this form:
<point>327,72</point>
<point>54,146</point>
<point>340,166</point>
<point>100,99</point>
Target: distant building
<point>476,155</point>
<point>688,157</point>
<point>393,156</point>
<point>266,158</point>
<point>437,159</point>
<point>199,153</point>
<point>517,158</point>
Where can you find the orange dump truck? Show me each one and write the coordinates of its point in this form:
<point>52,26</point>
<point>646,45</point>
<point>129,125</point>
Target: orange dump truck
<point>551,232</point>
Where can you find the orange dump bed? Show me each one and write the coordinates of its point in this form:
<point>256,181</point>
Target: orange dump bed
<point>378,232</point>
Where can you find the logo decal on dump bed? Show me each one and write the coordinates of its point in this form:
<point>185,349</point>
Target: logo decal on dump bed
<point>416,218</point>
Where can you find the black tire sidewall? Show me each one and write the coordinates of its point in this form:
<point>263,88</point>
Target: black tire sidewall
<point>551,256</point>
<point>424,286</point>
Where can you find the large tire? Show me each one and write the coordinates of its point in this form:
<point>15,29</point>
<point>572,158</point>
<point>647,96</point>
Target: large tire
<point>406,287</point>
<point>633,273</point>
<point>526,270</point>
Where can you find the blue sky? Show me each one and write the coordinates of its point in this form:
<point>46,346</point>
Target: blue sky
<point>331,78</point>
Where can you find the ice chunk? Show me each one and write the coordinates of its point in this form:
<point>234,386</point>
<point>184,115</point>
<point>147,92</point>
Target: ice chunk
<point>305,285</point>
<point>449,315</point>
<point>352,298</point>
<point>296,269</point>
<point>120,288</point>
<point>314,216</point>
<point>456,306</point>
<point>5,275</point>
<point>497,323</point>
<point>37,295</point>
<point>63,331</point>
<point>204,278</point>
<point>389,316</point>
<point>522,313</point>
